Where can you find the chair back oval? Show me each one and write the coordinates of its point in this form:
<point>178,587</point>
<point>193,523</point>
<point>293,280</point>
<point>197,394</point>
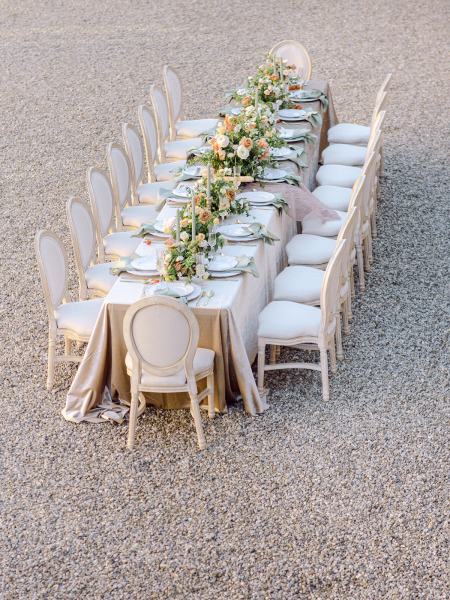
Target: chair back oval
<point>161,111</point>
<point>52,263</point>
<point>150,137</point>
<point>83,234</point>
<point>295,54</point>
<point>370,172</point>
<point>161,334</point>
<point>102,204</point>
<point>330,291</point>
<point>135,151</point>
<point>348,233</point>
<point>174,94</point>
<point>120,174</point>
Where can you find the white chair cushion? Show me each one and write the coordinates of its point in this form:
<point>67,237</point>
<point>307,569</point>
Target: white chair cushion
<point>79,317</point>
<point>349,133</point>
<point>195,127</point>
<point>333,196</point>
<point>152,193</point>
<point>180,148</point>
<point>304,249</point>
<point>299,284</point>
<point>166,171</point>
<point>344,154</point>
<point>135,216</point>
<point>120,243</point>
<point>98,277</point>
<point>203,362</point>
<point>313,225</point>
<point>284,320</point>
<point>340,175</point>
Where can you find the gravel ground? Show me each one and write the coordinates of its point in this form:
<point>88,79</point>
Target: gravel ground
<point>344,500</point>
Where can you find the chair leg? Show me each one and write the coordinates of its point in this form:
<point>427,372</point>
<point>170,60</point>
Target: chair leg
<point>338,336</point>
<point>360,258</point>
<point>324,372</point>
<point>51,361</point>
<point>133,418</point>
<point>211,407</point>
<point>366,254</point>
<point>68,346</point>
<point>195,411</point>
<point>278,352</point>
<point>261,364</point>
<point>273,354</point>
<point>352,286</point>
<point>373,219</point>
<point>348,313</point>
<point>332,349</point>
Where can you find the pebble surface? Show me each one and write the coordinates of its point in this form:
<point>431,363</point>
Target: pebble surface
<point>310,500</point>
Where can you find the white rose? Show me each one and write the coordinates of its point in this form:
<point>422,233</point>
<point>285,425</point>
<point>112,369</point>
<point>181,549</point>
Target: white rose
<point>184,236</point>
<point>249,110</point>
<point>243,152</point>
<point>223,140</point>
<point>237,129</point>
<point>168,225</point>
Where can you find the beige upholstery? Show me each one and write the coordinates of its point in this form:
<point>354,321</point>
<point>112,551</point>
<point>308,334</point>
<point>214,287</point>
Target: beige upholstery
<point>333,196</point>
<point>174,95</point>
<point>178,149</point>
<point>299,284</point>
<point>120,243</point>
<point>161,335</point>
<point>72,321</point>
<point>99,278</point>
<point>344,154</point>
<point>203,362</point>
<point>79,317</point>
<point>135,216</point>
<point>94,279</point>
<point>154,193</point>
<point>286,320</point>
<point>305,249</point>
<point>340,175</point>
<point>284,323</point>
<point>195,127</point>
<point>349,133</point>
<point>312,224</point>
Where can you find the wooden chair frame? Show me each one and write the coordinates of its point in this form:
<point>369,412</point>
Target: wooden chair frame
<point>139,365</point>
<point>324,342</point>
<point>307,67</point>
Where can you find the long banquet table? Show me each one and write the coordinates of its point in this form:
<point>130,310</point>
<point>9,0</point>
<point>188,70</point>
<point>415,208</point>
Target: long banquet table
<point>229,321</point>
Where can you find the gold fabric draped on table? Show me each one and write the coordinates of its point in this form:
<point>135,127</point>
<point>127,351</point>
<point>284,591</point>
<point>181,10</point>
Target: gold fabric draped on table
<point>228,324</point>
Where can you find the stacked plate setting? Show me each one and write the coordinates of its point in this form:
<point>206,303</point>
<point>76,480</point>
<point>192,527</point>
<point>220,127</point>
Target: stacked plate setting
<point>237,232</point>
<point>223,266</point>
<point>257,198</point>
<point>273,174</point>
<point>175,289</point>
<point>292,114</point>
<point>144,266</point>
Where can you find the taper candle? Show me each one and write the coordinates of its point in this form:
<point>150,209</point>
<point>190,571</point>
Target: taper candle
<point>256,97</point>
<point>178,224</point>
<point>208,186</point>
<point>193,217</point>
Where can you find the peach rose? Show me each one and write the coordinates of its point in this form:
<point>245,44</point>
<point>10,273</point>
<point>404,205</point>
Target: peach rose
<point>246,142</point>
<point>262,143</point>
<point>246,101</point>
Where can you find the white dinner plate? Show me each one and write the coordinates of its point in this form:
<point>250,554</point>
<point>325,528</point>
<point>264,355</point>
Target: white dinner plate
<point>193,171</point>
<point>182,190</point>
<point>256,197</point>
<point>222,263</point>
<point>239,230</point>
<point>281,153</point>
<point>159,227</point>
<point>144,263</point>
<point>178,287</point>
<point>271,174</point>
<point>291,114</point>
<point>143,273</point>
<point>223,274</point>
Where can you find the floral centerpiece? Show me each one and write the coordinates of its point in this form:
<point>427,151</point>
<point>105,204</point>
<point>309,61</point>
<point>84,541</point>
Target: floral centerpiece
<point>212,202</point>
<point>243,141</point>
<point>271,85</point>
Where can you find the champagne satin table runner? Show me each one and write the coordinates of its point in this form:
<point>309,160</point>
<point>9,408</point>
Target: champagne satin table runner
<point>229,322</point>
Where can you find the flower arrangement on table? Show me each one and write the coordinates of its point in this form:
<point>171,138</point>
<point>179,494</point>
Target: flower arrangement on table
<point>243,142</point>
<point>211,201</point>
<point>271,85</point>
